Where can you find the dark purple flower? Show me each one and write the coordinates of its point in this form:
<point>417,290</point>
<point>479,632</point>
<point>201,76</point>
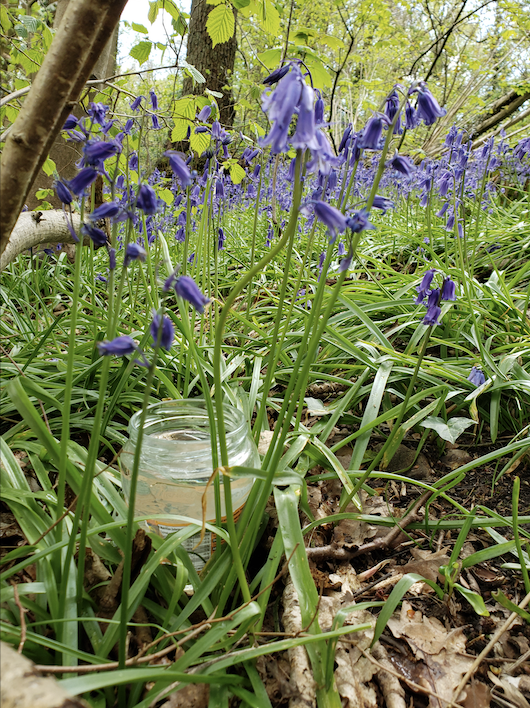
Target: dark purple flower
<point>112,259</point>
<point>201,129</point>
<point>154,121</point>
<point>167,335</point>
<point>402,164</point>
<point>134,252</point>
<point>359,221</point>
<point>98,111</point>
<point>97,151</point>
<point>382,203</point>
<point>331,217</point>
<point>105,211</point>
<point>135,105</point>
<point>100,278</point>
<point>70,123</point>
<point>97,236</point>
<point>276,75</point>
<point>391,108</point>
<point>428,107</point>
<point>448,290</point>
<point>411,117</point>
<point>179,167</point>
<point>424,286</point>
<point>319,109</point>
<point>433,309</point>
<point>154,99</point>
<point>82,180</point>
<point>120,346</point>
<point>346,262</point>
<point>63,193</point>
<point>147,200</point>
<point>476,376</point>
<point>221,239</point>
<point>133,161</point>
<point>345,137</point>
<point>280,107</point>
<point>372,132</point>
<point>187,288</point>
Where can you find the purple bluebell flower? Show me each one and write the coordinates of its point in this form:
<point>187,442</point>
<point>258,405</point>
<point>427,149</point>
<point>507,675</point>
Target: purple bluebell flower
<point>304,135</point>
<point>133,161</point>
<point>411,117</point>
<point>204,114</point>
<point>391,108</point>
<point>187,289</point>
<point>63,193</point>
<point>98,111</point>
<point>96,152</point>
<point>280,107</point>
<point>322,156</point>
<point>276,75</point>
<point>341,249</point>
<point>433,309</point>
<point>346,262</point>
<point>112,258</point>
<point>134,252</point>
<point>201,129</point>
<point>167,335</point>
<point>154,100</point>
<point>179,167</point>
<point>97,236</point>
<point>119,346</point>
<point>373,130</point>
<point>382,203</point>
<point>321,260</point>
<point>319,109</point>
<point>402,164</point>
<point>428,107</point>
<point>155,122</point>
<point>107,210</point>
<point>476,376</point>
<point>128,126</point>
<point>147,200</point>
<point>221,239</point>
<point>448,290</point>
<point>135,105</point>
<point>331,217</point>
<point>423,287</point>
<point>345,137</point>
<point>359,221</point>
<point>100,278</point>
<point>70,123</point>
<point>82,180</point>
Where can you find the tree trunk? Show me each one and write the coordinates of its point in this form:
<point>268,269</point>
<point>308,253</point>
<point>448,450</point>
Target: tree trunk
<point>500,110</point>
<point>215,64</point>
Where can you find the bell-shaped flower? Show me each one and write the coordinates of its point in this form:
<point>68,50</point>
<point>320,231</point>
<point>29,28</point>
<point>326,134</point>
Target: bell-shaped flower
<point>119,346</point>
<point>82,180</point>
<point>187,289</point>
<point>162,327</point>
<point>428,107</point>
<point>476,376</point>
<point>63,193</point>
<point>134,252</point>
<point>179,167</point>
<point>331,217</point>
<point>97,236</point>
<point>147,200</point>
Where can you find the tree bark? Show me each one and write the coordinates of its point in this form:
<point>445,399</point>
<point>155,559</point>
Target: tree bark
<point>84,31</point>
<point>216,64</point>
<point>500,110</point>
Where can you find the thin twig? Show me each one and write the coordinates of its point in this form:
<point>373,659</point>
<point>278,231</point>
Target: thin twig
<point>483,654</point>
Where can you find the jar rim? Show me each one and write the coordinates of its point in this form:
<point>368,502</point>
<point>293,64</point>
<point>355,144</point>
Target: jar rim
<point>178,409</point>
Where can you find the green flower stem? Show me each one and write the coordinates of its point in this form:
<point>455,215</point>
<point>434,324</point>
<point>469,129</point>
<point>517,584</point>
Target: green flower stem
<point>253,246</point>
<point>516,535</point>
<point>395,428</point>
<point>350,184</point>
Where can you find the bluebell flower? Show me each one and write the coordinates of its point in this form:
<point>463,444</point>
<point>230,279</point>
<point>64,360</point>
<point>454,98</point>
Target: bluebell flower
<point>187,289</point>
<point>411,117</point>
<point>321,260</point>
<point>304,135</point>
<point>100,278</point>
<point>201,129</point>
<point>322,156</point>
<point>154,99</point>
<point>341,250</point>
<point>154,121</point>
<point>371,137</point>
<point>97,111</point>
<point>97,236</point>
<point>63,193</point>
<point>428,107</point>
<point>112,258</point>
<point>134,252</point>
<point>96,152</point>
<point>391,108</point>
<point>433,309</point>
<point>107,210</point>
<point>276,75</point>
<point>402,164</point>
<point>319,109</point>
<point>280,107</point>
<point>204,114</point>
<point>179,167</point>
<point>168,332</point>
<point>147,200</point>
<point>424,286</point>
<point>221,239</point>
<point>82,180</point>
<point>331,217</point>
<point>135,105</point>
<point>359,221</point>
<point>133,161</point>
<point>382,203</point>
<point>70,123</point>
<point>119,346</point>
<point>345,137</point>
<point>346,262</point>
<point>448,290</point>
<point>476,376</point>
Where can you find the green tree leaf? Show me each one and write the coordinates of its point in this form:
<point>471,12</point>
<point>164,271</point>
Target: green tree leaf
<point>199,142</point>
<point>220,24</point>
<point>269,18</point>
<point>139,28</point>
<point>237,173</point>
<point>153,11</point>
<point>271,58</point>
<point>141,51</point>
<point>49,166</point>
<point>192,71</point>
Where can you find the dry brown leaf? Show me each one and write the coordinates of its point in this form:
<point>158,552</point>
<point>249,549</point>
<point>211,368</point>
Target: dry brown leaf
<point>478,695</point>
<point>426,563</point>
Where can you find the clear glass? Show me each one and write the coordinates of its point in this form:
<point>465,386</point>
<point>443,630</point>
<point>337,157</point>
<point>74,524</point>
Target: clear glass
<point>176,462</point>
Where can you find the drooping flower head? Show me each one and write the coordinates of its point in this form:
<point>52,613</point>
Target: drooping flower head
<point>119,346</point>
<point>187,289</point>
<point>476,376</point>
<point>428,107</point>
<point>82,180</point>
<point>97,236</point>
<point>433,309</point>
<point>331,217</point>
<point>359,221</point>
<point>147,200</point>
<point>162,327</point>
<point>134,252</point>
<point>179,167</point>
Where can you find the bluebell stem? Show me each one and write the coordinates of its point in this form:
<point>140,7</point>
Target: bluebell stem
<point>119,346</point>
<point>97,236</point>
<point>476,376</point>
<point>168,332</point>
<point>187,289</point>
<point>82,180</point>
<point>134,252</point>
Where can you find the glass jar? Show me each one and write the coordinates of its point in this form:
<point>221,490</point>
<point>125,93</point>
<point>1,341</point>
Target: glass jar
<point>176,464</point>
